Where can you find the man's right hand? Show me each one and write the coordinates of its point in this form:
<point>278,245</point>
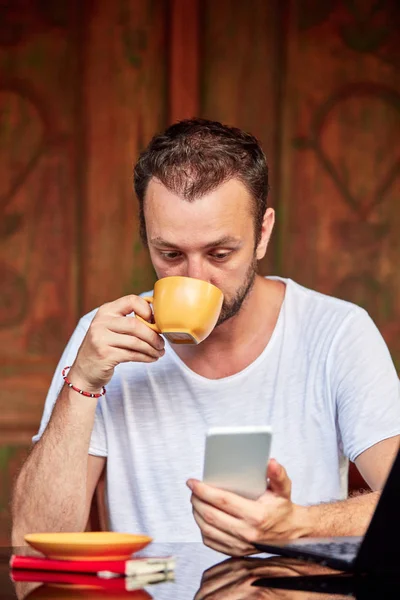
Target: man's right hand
<point>115,338</point>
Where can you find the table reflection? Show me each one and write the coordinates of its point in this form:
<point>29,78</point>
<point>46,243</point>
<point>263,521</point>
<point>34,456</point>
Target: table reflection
<point>234,579</point>
<point>202,574</point>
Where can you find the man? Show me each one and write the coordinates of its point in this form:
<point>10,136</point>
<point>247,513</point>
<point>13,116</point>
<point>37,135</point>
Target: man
<point>313,367</point>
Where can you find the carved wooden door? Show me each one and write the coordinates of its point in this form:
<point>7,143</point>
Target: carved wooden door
<point>319,84</point>
<point>39,197</point>
<point>82,89</point>
<point>339,230</point>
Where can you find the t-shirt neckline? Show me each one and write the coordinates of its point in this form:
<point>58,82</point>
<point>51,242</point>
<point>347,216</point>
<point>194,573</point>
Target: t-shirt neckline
<point>256,362</point>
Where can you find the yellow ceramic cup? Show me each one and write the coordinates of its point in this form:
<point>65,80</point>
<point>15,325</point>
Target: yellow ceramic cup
<point>186,310</point>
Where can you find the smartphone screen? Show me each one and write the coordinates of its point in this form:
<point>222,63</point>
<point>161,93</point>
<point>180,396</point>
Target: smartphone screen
<point>236,459</point>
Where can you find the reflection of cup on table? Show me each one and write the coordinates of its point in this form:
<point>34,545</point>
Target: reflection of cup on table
<point>185,309</point>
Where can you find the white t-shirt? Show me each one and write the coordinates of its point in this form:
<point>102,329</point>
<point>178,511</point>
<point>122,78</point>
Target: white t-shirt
<point>325,383</point>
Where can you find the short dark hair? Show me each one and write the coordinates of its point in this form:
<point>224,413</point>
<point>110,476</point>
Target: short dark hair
<point>195,156</point>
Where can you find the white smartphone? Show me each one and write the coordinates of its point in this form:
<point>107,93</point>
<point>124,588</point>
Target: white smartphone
<point>236,459</point>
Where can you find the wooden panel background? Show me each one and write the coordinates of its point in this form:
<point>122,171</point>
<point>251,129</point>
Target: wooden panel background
<point>125,97</point>
<point>241,75</point>
<point>39,79</point>
<point>81,93</point>
<point>339,211</point>
<point>83,86</point>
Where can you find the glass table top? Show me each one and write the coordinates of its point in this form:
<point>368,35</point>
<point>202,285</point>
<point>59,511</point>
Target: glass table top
<point>203,574</point>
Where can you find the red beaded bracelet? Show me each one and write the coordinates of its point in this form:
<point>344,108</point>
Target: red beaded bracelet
<point>76,389</point>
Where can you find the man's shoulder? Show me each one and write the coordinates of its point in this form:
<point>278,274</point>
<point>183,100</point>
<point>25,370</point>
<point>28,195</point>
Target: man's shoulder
<point>318,316</point>
<point>316,302</point>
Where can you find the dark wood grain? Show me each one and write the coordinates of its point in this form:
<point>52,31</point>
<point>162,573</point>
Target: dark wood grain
<point>39,79</point>
<point>339,212</point>
<point>126,103</point>
<point>241,77</point>
<point>184,59</point>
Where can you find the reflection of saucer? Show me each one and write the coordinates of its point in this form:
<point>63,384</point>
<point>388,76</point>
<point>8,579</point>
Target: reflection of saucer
<point>76,592</point>
<point>66,585</point>
<point>88,545</point>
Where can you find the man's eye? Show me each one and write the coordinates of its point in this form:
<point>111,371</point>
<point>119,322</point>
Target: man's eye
<point>220,255</point>
<point>170,255</point>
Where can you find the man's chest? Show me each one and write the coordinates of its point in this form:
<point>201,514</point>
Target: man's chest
<point>221,364</point>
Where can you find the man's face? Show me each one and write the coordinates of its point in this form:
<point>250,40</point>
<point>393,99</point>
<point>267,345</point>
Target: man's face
<point>211,238</point>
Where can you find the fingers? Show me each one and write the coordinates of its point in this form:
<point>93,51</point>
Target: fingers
<point>219,526</point>
<point>212,517</point>
<point>279,482</point>
<point>124,356</point>
<point>125,306</point>
<point>132,327</point>
<point>221,540</point>
<point>230,503</point>
<point>133,344</point>
<point>113,338</point>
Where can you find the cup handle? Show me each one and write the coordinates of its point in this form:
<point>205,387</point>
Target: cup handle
<point>152,326</point>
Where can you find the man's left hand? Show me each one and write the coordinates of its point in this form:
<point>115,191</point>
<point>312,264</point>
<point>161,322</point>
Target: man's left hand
<point>232,524</point>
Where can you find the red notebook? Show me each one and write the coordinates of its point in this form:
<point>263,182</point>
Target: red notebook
<point>131,567</point>
<point>86,580</point>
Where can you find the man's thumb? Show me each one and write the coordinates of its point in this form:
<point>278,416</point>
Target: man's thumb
<point>279,482</point>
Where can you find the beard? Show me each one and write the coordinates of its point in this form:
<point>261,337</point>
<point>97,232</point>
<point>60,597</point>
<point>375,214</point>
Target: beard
<point>230,308</point>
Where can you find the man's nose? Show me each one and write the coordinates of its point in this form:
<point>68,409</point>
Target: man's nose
<point>196,268</point>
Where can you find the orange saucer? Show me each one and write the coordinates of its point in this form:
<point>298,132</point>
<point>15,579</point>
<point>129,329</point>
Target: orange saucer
<point>88,545</point>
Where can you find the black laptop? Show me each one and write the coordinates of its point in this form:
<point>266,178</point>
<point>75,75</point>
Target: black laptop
<point>377,552</point>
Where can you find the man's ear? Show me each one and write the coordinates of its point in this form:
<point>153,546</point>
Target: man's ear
<point>266,230</point>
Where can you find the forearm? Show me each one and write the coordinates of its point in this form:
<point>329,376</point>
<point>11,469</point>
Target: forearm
<point>50,493</point>
<point>347,517</point>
